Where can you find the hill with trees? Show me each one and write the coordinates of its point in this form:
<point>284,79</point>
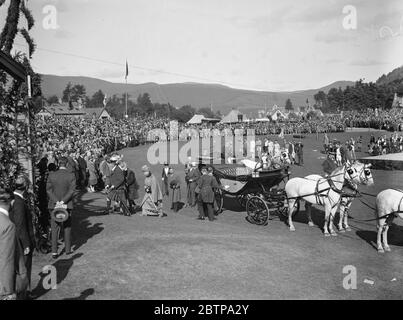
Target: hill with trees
<point>362,95</point>
<point>198,95</point>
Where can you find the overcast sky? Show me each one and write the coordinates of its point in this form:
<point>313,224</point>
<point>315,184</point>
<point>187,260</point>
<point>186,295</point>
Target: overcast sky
<point>257,44</point>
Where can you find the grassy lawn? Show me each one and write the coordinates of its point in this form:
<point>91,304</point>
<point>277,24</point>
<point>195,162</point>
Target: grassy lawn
<point>179,257</point>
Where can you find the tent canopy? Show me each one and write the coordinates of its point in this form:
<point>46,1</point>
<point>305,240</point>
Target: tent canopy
<point>233,117</point>
<point>196,119</point>
<point>277,114</point>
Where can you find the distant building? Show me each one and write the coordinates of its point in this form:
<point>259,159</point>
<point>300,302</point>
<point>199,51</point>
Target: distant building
<point>277,114</point>
<point>74,110</point>
<point>44,113</point>
<point>97,113</point>
<point>398,98</point>
<point>199,118</point>
<point>233,117</point>
<point>71,109</point>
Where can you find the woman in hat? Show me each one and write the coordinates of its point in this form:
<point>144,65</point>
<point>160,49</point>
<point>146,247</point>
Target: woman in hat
<point>175,189</point>
<point>152,201</point>
<point>92,179</point>
<point>205,184</point>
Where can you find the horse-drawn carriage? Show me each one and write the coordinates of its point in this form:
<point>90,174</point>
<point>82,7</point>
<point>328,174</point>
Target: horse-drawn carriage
<point>259,191</point>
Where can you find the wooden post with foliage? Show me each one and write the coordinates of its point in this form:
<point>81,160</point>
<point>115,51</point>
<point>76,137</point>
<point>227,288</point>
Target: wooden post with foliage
<point>17,97</point>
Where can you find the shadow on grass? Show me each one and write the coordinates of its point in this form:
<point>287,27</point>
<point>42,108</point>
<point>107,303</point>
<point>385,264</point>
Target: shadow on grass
<point>83,295</point>
<point>395,236</point>
<point>82,228</point>
<point>62,267</point>
<point>317,215</point>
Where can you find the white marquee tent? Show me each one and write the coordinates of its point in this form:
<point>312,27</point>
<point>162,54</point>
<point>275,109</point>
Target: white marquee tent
<point>196,119</point>
<point>233,117</point>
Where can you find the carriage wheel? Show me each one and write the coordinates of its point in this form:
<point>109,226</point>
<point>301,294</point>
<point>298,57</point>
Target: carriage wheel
<point>219,201</point>
<point>243,199</point>
<point>257,210</point>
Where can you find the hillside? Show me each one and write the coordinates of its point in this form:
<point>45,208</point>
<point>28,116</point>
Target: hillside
<point>394,75</point>
<point>198,95</point>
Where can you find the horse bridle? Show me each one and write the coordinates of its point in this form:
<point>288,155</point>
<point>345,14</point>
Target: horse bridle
<point>364,174</point>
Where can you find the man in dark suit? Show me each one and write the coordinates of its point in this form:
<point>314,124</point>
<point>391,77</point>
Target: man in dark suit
<point>164,176</point>
<point>300,153</point>
<point>206,184</point>
<point>82,168</point>
<point>7,250</point>
<point>60,188</point>
<point>72,166</point>
<point>117,191</point>
<point>21,216</point>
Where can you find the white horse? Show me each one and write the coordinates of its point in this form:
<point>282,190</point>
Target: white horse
<point>324,191</point>
<point>365,178</point>
<point>389,204</point>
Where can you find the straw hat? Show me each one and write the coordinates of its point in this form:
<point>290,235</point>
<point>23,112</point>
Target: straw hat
<point>114,158</point>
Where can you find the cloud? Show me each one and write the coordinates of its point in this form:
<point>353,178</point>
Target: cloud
<point>334,37</point>
<point>60,5</point>
<point>270,22</point>
<point>333,60</point>
<point>367,62</point>
<point>111,73</point>
<point>63,34</point>
<point>319,12</point>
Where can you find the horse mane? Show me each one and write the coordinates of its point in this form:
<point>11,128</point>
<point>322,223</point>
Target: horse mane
<point>337,170</point>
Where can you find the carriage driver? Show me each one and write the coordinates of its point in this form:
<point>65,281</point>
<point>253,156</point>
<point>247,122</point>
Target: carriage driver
<point>329,165</point>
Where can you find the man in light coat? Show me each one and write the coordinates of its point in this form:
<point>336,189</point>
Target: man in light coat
<point>7,250</point>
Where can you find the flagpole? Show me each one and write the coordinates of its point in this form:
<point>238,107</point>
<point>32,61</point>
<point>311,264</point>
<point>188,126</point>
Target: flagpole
<point>126,98</point>
<point>127,73</point>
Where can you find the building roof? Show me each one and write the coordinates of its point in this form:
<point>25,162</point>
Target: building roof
<point>64,109</point>
<point>196,119</point>
<point>233,116</point>
<point>95,112</point>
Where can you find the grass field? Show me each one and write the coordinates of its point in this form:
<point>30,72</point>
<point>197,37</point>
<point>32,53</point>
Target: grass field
<point>179,257</point>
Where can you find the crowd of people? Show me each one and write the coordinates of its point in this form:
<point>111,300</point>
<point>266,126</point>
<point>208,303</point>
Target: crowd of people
<point>390,120</point>
<point>79,154</point>
<point>342,152</point>
<point>384,145</point>
<point>295,126</point>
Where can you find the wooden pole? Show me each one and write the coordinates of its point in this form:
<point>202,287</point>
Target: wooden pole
<point>126,100</point>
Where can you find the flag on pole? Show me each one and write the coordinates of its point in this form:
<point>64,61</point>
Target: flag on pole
<point>104,102</point>
<point>127,70</point>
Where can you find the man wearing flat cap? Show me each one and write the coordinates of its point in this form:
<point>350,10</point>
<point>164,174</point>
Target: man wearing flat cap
<point>7,250</point>
<point>60,188</point>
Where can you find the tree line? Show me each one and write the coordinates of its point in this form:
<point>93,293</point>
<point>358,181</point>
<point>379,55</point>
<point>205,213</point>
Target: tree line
<point>141,106</point>
<point>361,96</point>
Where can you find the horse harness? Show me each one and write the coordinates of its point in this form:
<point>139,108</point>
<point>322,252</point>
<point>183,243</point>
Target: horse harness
<point>319,194</point>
